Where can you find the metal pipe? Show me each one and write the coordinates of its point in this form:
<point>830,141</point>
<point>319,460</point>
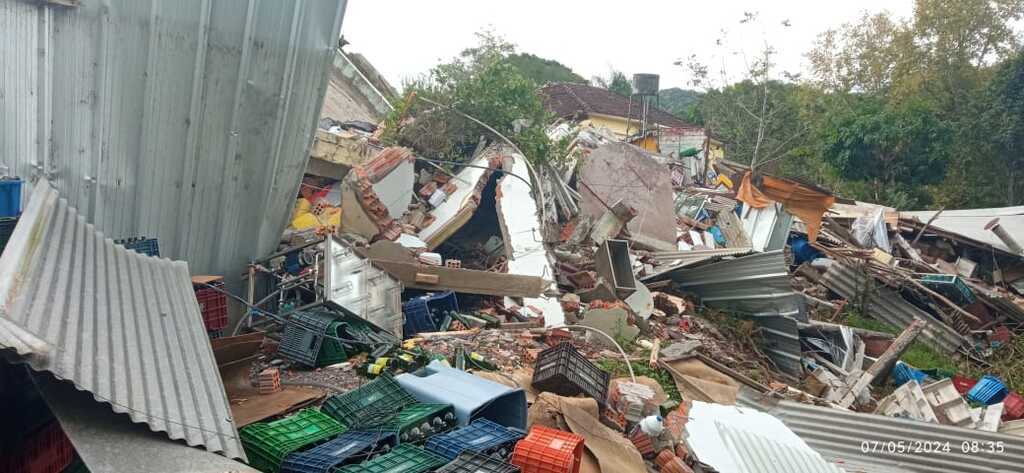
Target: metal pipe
<point>1004,235</point>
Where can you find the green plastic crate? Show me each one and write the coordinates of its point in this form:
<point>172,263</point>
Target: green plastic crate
<point>354,408</point>
<point>332,351</point>
<point>950,286</point>
<point>403,459</point>
<point>267,443</point>
<point>415,423</point>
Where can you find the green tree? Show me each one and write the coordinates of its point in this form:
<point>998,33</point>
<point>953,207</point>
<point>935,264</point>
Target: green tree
<point>542,71</point>
<point>679,102</point>
<point>891,147</point>
<point>481,83</point>
<point>938,62</point>
<point>758,122</point>
<point>1004,120</point>
<point>616,82</point>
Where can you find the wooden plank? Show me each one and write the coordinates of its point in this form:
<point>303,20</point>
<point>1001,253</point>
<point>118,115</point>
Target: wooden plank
<point>488,283</point>
<point>885,361</point>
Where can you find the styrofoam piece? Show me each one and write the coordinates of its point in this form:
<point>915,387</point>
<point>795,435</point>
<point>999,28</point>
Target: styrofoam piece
<point>908,401</point>
<point>473,397</point>
<point>949,407</point>
<point>991,418</point>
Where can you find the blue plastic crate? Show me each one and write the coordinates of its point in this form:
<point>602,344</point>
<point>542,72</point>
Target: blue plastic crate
<point>989,390</point>
<point>902,372</point>
<point>482,436</point>
<point>146,246</point>
<point>348,448</point>
<point>422,314</point>
<point>10,197</point>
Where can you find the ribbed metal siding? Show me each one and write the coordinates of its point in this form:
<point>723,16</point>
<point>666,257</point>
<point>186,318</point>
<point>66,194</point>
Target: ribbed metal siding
<point>887,305</point>
<point>124,326</point>
<point>186,120</point>
<point>758,454</point>
<point>838,434</point>
<point>756,285</point>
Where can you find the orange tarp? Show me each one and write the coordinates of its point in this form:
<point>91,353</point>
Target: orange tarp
<point>806,203</point>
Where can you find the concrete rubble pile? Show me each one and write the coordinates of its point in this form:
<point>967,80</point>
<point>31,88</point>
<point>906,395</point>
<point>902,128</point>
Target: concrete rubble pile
<point>622,292</point>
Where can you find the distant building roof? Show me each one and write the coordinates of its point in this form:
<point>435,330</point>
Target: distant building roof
<point>567,99</point>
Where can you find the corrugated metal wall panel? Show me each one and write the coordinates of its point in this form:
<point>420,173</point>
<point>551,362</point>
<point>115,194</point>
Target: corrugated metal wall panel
<point>758,286</point>
<point>189,121</point>
<point>124,326</point>
<point>888,306</point>
<point>840,435</point>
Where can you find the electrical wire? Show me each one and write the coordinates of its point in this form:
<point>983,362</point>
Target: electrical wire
<point>457,163</point>
<point>625,357</point>
<point>282,320</point>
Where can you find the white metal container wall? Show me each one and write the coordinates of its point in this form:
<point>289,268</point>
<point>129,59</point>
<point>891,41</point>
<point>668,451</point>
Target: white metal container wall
<point>185,120</point>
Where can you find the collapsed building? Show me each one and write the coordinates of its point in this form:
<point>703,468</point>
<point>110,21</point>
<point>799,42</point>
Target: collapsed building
<point>643,305</point>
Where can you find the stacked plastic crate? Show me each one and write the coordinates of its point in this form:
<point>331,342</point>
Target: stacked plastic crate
<point>213,303</point>
<point>481,436</point>
<point>348,448</point>
<point>311,338</point>
<point>47,450</point>
<point>267,444</point>
<point>367,404</point>
<point>403,459</point>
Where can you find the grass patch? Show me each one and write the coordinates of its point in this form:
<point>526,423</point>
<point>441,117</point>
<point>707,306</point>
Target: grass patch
<point>618,370</point>
<point>918,355</point>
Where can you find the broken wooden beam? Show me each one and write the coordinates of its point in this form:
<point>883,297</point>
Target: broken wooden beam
<point>884,362</point>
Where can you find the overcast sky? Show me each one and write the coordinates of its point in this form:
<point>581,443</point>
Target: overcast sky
<point>405,38</point>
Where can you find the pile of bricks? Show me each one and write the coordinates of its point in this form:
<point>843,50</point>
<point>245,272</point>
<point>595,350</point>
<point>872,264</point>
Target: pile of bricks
<point>269,381</point>
<point>642,442</point>
<point>633,400</point>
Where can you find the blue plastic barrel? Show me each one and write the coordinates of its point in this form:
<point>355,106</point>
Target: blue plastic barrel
<point>10,197</point>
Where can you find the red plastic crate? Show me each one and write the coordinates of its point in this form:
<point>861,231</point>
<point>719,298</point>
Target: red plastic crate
<point>546,450</point>
<point>963,384</point>
<point>213,304</point>
<point>1013,407</point>
<point>47,451</point>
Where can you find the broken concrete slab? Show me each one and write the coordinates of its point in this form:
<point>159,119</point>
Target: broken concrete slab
<point>522,229</point>
<point>614,322</point>
<point>622,172</point>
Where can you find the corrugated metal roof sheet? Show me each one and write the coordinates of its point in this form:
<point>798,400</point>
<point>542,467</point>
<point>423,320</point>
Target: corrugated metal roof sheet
<point>840,435</point>
<point>970,223</point>
<point>760,454</point>
<point>887,305</point>
<point>189,121</point>
<point>124,326</point>
<point>734,439</point>
<point>756,285</point>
